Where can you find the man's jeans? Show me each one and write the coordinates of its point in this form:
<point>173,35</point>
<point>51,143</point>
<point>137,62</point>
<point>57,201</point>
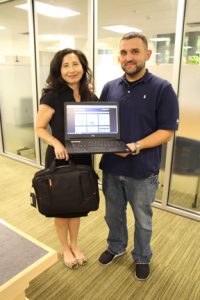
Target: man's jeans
<point>140,193</point>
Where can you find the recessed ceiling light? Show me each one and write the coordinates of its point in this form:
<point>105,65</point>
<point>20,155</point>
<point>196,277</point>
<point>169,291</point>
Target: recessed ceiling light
<point>160,39</point>
<point>65,41</point>
<point>2,27</point>
<point>122,28</point>
<point>54,37</point>
<point>50,10</point>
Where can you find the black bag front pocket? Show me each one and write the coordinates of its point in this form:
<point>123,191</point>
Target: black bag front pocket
<point>65,192</point>
<point>66,189</point>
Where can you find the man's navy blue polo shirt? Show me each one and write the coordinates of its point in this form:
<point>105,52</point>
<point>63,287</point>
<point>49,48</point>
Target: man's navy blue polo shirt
<point>146,105</point>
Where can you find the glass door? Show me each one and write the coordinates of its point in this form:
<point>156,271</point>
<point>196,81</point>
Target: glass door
<point>185,182</point>
<point>15,84</point>
<point>132,15</point>
<point>61,24</point>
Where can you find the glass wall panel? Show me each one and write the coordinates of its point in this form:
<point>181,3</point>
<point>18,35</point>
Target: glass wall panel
<point>15,84</point>
<point>185,181</point>
<point>145,16</point>
<point>67,29</point>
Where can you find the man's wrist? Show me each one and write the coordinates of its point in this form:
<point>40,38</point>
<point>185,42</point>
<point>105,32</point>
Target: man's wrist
<point>137,149</point>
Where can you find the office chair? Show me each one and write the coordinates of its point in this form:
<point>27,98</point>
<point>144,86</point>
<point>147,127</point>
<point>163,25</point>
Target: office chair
<point>186,160</point>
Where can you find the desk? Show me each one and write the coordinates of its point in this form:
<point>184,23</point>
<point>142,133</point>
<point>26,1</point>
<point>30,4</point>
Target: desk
<point>22,258</point>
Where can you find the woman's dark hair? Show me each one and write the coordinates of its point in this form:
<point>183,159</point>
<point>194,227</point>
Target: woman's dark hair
<point>55,81</point>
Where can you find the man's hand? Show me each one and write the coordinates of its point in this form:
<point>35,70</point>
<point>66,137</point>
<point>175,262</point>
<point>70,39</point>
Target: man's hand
<point>122,154</point>
<point>131,146</point>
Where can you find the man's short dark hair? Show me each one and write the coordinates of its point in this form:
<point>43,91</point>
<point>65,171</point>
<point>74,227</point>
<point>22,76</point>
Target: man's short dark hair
<point>132,35</point>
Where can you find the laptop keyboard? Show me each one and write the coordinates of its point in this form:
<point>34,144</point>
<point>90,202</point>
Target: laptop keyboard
<point>96,143</point>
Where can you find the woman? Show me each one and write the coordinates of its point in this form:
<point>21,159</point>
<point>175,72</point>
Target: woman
<point>69,80</point>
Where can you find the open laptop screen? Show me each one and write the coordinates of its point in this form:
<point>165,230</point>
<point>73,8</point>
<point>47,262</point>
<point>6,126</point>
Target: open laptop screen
<point>91,119</point>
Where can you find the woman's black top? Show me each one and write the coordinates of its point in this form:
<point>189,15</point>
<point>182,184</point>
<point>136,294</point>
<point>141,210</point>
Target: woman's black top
<point>56,100</point>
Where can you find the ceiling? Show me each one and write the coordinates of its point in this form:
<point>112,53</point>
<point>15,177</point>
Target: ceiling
<point>152,16</point>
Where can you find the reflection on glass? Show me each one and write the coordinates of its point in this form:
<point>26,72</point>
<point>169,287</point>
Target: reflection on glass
<point>186,173</point>
<point>159,192</point>
<point>15,83</point>
<point>186,167</point>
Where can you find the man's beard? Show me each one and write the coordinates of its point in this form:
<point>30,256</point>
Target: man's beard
<point>134,72</point>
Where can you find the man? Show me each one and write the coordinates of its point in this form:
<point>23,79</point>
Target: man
<point>148,118</point>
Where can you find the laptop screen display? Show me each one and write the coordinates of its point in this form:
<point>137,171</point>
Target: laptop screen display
<point>94,119</point>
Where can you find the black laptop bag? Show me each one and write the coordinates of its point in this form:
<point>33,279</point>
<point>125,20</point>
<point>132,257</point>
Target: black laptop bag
<point>65,189</point>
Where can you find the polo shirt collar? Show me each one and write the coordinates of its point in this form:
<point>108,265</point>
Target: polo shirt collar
<point>144,79</point>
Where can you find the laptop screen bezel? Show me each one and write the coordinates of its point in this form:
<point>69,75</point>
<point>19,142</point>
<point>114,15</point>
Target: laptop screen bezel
<point>91,135</point>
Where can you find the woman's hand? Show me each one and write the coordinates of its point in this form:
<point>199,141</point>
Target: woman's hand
<point>59,149</point>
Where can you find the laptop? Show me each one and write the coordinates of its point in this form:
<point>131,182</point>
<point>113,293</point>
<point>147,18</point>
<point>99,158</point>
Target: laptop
<point>93,127</point>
